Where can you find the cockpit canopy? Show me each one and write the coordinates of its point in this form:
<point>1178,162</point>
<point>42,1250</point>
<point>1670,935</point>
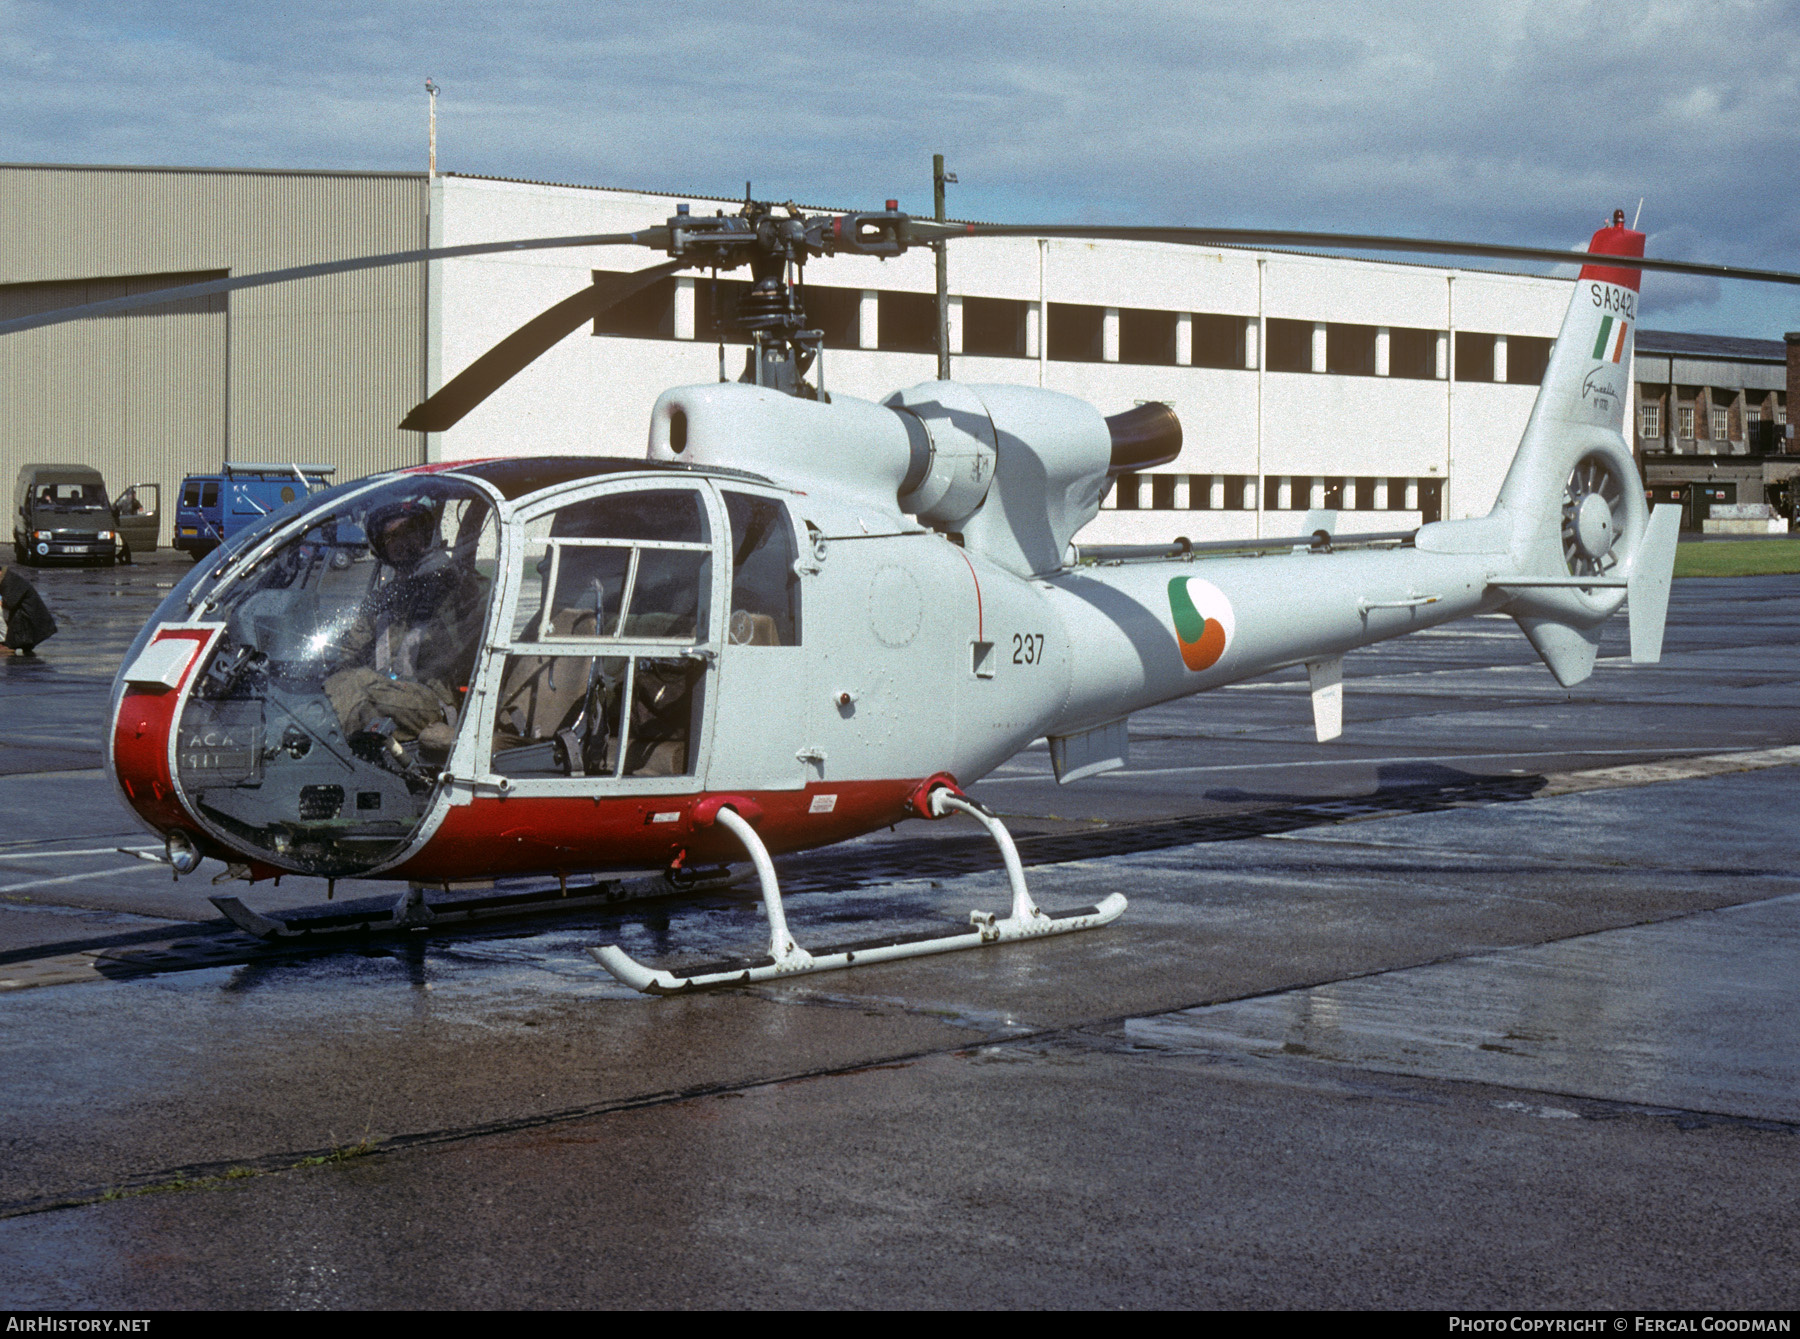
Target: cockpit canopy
<point>332,696</point>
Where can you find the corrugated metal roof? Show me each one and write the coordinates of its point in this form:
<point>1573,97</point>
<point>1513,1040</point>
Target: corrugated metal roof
<point>1731,347</point>
<point>211,171</point>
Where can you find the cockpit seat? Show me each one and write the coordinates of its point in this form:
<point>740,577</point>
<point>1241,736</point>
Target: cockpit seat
<point>541,695</point>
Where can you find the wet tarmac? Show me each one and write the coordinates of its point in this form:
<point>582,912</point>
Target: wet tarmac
<point>1490,1003</point>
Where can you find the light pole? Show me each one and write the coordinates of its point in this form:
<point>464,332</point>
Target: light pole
<point>939,179</point>
<point>432,90</point>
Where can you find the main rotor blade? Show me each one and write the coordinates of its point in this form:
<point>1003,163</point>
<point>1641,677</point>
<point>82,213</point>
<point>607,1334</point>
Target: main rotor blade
<point>651,237</point>
<point>518,350</point>
<point>928,230</point>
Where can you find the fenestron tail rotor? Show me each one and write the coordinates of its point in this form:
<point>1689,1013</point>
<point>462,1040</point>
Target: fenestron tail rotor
<point>1593,517</point>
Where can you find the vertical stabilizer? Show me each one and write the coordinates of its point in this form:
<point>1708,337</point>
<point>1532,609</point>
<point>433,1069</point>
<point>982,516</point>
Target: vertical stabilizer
<point>1652,568</point>
<point>1572,501</point>
<point>1585,384</point>
<point>1580,406</point>
<point>1569,652</point>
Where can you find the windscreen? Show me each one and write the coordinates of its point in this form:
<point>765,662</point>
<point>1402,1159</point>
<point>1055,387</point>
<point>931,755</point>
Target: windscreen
<point>69,496</point>
<point>321,720</point>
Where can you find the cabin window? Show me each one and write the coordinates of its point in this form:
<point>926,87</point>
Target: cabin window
<point>599,681</point>
<point>765,588</point>
<point>623,565</point>
<point>596,716</point>
<point>319,725</point>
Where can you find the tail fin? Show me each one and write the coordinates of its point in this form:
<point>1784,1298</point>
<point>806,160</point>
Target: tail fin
<point>1572,502</point>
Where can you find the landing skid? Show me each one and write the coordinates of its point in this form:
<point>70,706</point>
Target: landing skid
<point>786,958</point>
<point>411,910</point>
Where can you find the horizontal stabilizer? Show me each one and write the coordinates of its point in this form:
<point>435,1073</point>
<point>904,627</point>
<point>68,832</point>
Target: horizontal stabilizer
<point>1648,592</point>
<point>1569,652</point>
<point>1102,749</point>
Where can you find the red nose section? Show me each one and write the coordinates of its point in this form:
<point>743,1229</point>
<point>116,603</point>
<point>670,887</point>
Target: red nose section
<point>143,732</point>
<point>1615,242</point>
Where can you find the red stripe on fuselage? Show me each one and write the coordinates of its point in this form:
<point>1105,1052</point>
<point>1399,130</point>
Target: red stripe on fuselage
<point>541,834</point>
<point>980,622</point>
<point>143,741</point>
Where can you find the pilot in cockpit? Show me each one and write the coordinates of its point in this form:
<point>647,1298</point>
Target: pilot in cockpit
<point>412,645</point>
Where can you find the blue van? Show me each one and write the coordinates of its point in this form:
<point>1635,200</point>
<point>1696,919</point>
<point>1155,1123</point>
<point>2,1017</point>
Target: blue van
<point>214,507</point>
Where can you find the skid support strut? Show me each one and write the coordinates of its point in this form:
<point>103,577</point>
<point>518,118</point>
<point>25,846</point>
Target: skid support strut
<point>787,958</point>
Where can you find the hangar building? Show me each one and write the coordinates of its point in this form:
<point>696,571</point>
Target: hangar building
<point>1394,392</point>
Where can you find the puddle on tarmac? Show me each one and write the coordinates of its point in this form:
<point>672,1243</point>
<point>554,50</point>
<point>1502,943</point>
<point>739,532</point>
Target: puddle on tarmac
<point>1696,1014</point>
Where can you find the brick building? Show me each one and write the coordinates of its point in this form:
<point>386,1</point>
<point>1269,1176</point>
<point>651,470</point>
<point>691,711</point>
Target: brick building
<point>1712,423</point>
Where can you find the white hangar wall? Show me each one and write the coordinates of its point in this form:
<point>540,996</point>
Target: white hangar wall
<point>1392,392</point>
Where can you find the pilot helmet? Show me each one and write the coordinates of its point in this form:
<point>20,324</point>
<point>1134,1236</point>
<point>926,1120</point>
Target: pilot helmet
<point>402,533</point>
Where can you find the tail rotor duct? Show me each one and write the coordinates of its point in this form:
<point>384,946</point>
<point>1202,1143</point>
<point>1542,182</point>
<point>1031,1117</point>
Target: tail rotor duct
<point>1593,516</point>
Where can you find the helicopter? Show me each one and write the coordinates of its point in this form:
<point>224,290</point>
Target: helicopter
<point>800,617</point>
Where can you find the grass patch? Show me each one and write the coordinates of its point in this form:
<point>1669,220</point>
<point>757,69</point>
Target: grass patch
<point>180,1183</point>
<point>336,1156</point>
<point>1738,558</point>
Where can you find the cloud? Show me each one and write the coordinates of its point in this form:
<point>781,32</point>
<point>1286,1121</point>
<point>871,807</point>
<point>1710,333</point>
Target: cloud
<point>1510,121</point>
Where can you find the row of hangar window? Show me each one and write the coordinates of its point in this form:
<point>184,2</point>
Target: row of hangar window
<point>906,322</point>
<point>1280,492</point>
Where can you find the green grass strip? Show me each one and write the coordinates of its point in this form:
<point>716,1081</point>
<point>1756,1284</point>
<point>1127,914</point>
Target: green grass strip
<point>1738,558</point>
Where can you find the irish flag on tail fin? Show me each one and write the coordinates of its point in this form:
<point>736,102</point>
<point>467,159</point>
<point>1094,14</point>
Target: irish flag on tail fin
<point>1586,383</point>
<point>1609,344</point>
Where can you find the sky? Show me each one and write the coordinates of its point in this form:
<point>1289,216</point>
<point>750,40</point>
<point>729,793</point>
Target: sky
<point>1510,122</point>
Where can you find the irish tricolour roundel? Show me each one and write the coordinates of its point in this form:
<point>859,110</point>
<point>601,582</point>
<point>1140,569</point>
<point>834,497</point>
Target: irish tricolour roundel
<point>1203,621</point>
